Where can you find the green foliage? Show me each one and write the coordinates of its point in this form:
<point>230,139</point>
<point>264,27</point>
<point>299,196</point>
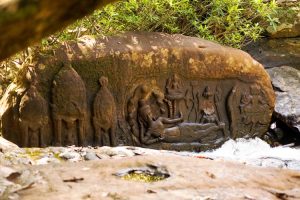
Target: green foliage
<point>230,22</point>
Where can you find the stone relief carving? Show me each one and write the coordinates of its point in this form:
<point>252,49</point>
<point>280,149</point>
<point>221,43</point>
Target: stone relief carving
<point>164,92</point>
<point>69,107</point>
<point>33,116</point>
<point>252,107</point>
<point>142,95</point>
<point>208,108</point>
<point>155,117</point>
<point>232,112</point>
<point>250,115</point>
<point>174,94</point>
<point>104,119</point>
<point>149,128</point>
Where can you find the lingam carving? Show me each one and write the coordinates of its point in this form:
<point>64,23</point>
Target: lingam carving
<point>69,107</point>
<point>33,116</point>
<point>104,119</point>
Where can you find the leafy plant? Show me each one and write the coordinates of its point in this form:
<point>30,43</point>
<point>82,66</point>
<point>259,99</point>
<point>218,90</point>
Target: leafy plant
<point>230,22</point>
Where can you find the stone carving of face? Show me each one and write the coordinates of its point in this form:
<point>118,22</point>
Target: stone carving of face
<point>103,81</point>
<point>207,92</point>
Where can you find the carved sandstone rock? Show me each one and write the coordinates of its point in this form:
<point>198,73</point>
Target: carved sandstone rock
<point>69,108</point>
<point>156,90</point>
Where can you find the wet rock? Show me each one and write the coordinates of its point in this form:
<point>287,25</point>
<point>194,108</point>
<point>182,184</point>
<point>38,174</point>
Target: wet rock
<point>276,52</point>
<point>286,81</point>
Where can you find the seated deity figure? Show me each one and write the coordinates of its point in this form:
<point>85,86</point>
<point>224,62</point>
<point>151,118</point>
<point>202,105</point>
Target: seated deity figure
<point>207,108</point>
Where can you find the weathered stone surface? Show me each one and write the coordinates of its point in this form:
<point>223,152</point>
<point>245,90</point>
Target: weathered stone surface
<point>6,145</point>
<point>23,23</point>
<point>190,178</point>
<point>276,52</point>
<point>286,81</point>
<point>253,152</point>
<point>156,90</point>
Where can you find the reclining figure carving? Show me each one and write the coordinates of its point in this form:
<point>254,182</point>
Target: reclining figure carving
<point>152,130</point>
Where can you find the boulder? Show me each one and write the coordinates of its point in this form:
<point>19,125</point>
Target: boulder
<point>289,22</point>
<point>276,52</point>
<point>146,89</point>
<point>286,81</point>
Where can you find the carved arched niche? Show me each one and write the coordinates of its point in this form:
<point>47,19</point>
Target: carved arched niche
<point>69,107</point>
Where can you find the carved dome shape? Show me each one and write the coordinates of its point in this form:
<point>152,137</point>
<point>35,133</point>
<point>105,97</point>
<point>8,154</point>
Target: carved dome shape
<point>33,105</point>
<point>68,93</point>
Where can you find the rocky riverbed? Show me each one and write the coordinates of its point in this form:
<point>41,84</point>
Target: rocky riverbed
<point>240,169</point>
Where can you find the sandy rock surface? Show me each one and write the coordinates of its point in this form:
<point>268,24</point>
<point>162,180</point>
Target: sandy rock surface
<point>72,172</point>
<point>190,178</point>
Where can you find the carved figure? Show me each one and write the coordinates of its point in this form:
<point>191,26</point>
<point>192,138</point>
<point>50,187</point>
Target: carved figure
<point>253,108</point>
<point>104,119</point>
<point>151,129</point>
<point>232,111</point>
<point>33,117</point>
<point>142,93</point>
<point>69,107</point>
<point>162,129</point>
<point>174,93</point>
<point>207,108</point>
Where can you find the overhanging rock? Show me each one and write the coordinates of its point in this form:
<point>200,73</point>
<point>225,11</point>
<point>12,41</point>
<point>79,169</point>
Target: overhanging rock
<point>147,89</point>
